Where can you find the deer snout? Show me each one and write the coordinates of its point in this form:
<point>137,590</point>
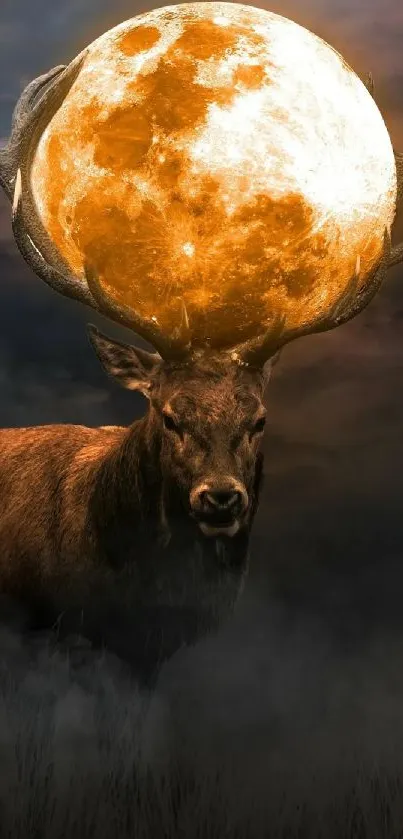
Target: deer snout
<point>226,501</point>
<point>221,499</point>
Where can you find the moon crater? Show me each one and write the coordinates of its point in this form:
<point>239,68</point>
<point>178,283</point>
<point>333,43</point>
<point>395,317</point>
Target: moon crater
<point>222,154</point>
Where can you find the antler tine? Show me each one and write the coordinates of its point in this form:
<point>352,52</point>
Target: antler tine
<point>181,333</point>
<point>369,83</point>
<point>174,347</point>
<point>261,348</point>
<point>29,94</point>
<point>256,352</point>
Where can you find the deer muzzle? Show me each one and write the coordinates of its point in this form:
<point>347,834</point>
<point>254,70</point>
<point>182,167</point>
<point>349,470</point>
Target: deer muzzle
<point>219,507</point>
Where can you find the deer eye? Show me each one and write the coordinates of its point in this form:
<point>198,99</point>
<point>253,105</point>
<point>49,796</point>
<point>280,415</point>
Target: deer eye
<point>259,426</point>
<point>170,423</point>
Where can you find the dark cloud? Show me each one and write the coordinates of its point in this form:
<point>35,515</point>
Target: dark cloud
<point>48,372</point>
<point>368,35</point>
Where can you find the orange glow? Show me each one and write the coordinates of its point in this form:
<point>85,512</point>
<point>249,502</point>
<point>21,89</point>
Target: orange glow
<point>221,153</point>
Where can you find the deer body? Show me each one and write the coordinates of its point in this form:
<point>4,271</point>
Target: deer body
<point>93,531</point>
<point>41,469</point>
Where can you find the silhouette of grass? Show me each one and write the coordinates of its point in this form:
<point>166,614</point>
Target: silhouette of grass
<point>78,759</point>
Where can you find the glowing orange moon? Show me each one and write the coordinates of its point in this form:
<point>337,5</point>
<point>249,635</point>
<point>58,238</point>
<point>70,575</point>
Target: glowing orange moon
<point>223,154</point>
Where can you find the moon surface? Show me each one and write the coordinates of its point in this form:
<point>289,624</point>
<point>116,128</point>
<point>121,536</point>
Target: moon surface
<point>222,154</point>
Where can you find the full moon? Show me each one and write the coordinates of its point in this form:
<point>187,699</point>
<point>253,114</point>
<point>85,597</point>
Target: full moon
<point>221,154</point>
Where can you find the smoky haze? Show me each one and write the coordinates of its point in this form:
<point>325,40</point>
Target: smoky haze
<point>305,684</point>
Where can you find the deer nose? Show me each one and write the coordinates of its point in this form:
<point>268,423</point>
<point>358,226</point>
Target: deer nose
<point>221,499</point>
<point>232,499</point>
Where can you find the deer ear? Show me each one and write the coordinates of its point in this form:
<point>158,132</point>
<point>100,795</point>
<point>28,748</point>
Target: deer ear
<point>132,368</point>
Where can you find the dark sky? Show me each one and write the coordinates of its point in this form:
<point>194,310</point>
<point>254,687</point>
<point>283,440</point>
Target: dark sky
<point>315,648</point>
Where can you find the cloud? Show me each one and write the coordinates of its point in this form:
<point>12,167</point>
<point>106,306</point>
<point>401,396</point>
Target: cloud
<point>48,371</point>
<point>369,36</point>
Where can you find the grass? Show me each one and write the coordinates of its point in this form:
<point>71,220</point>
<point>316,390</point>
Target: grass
<point>79,758</point>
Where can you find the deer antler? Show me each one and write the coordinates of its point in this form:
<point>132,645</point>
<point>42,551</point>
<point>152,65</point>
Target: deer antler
<point>32,114</point>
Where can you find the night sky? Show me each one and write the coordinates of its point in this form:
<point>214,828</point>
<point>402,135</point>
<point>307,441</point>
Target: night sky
<point>312,661</point>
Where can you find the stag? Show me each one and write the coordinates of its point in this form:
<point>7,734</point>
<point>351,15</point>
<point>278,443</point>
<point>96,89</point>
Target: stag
<point>138,537</point>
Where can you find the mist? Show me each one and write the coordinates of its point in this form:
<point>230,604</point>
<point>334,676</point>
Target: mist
<point>271,718</point>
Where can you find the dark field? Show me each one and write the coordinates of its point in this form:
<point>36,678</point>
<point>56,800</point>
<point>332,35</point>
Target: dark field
<point>84,754</point>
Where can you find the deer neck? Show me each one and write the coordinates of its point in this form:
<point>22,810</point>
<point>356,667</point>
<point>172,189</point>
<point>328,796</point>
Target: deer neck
<point>126,499</point>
